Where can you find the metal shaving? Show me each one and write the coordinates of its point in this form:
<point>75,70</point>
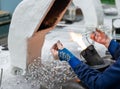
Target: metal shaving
<point>51,74</point>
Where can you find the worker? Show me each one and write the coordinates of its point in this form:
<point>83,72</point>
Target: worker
<point>92,78</point>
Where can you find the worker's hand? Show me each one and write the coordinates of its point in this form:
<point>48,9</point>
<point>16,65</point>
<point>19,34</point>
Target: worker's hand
<point>100,37</point>
<point>54,50</point>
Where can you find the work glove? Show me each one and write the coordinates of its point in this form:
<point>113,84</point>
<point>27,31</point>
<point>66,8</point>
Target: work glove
<point>61,53</point>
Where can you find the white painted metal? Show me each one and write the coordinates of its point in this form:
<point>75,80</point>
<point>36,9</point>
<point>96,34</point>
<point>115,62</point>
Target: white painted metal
<point>25,41</point>
<point>117,2</point>
<point>25,22</point>
<point>92,11</point>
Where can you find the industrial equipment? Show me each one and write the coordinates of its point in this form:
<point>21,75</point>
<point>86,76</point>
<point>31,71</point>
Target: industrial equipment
<point>4,26</point>
<point>31,21</point>
<point>116,29</point>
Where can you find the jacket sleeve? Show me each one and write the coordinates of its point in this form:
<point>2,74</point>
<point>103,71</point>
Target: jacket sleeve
<point>114,49</point>
<point>109,79</point>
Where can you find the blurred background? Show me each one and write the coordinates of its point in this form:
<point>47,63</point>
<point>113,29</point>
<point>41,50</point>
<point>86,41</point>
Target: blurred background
<point>7,8</point>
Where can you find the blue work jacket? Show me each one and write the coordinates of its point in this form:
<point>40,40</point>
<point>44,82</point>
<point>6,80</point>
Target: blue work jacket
<point>94,79</point>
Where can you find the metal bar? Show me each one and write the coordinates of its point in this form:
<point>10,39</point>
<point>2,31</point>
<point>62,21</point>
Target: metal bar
<point>1,75</point>
<point>5,22</point>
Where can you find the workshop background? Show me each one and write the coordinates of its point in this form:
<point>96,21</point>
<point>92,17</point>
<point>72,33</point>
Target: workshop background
<point>62,33</point>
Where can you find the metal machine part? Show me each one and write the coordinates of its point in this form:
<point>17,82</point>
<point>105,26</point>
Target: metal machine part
<point>94,60</point>
<point>73,14</point>
<point>1,75</point>
<point>117,2</point>
<point>31,21</point>
<point>91,56</point>
<point>116,29</point>
<point>96,16</point>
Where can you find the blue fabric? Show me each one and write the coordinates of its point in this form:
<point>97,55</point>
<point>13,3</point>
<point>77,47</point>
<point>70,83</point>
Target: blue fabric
<point>70,58</point>
<point>109,79</point>
<point>74,62</point>
<point>112,47</point>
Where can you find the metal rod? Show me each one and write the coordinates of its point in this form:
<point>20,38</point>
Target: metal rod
<point>1,75</point>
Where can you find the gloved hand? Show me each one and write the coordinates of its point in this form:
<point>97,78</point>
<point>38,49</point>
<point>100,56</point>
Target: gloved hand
<point>54,50</point>
<point>59,52</point>
<point>100,37</point>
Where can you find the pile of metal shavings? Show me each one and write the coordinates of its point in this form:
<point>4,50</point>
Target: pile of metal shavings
<point>18,82</point>
<point>51,74</point>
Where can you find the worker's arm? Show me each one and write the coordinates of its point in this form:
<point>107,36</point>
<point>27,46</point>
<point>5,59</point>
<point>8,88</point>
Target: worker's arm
<point>109,79</point>
<point>114,49</point>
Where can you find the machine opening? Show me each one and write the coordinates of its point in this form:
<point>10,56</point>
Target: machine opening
<point>54,14</point>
